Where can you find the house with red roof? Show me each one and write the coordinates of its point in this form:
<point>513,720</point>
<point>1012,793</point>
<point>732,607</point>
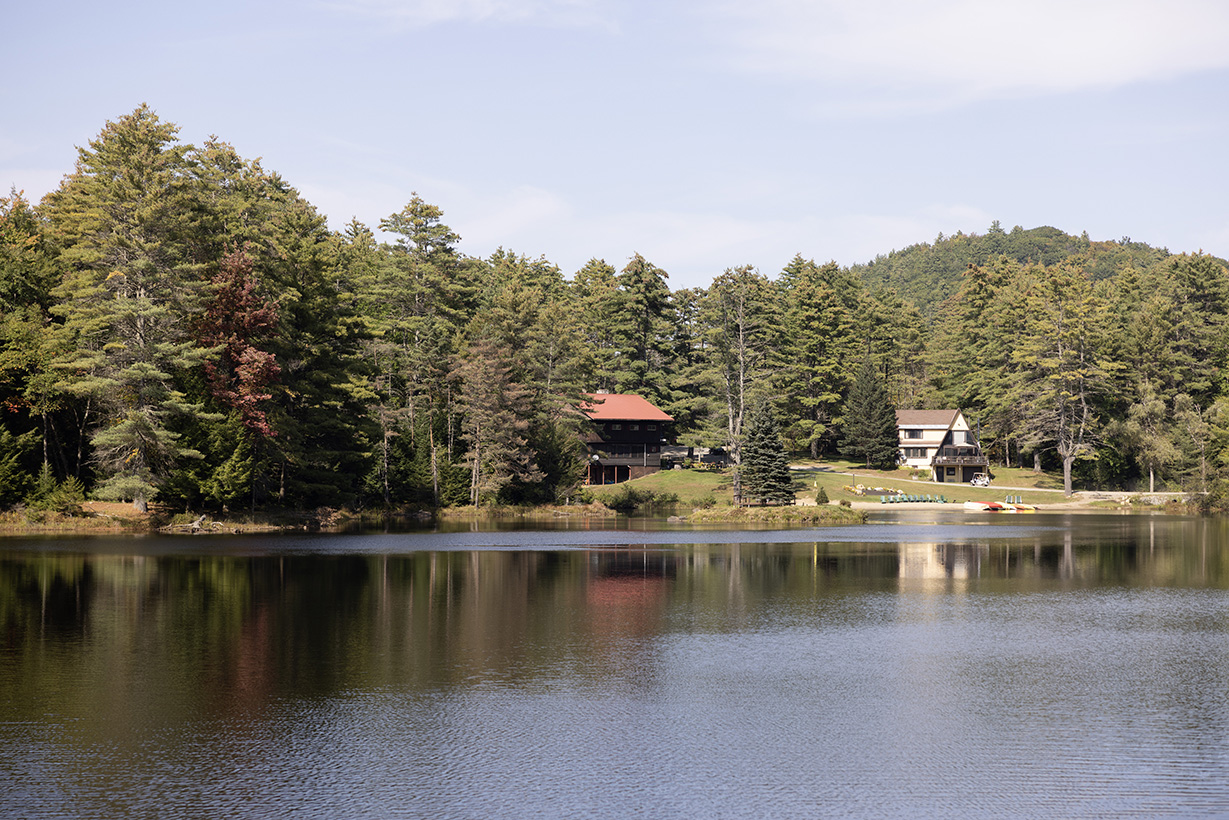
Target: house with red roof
<point>942,442</point>
<point>626,436</point>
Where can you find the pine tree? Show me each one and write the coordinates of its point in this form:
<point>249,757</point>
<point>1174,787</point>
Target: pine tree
<point>600,307</point>
<point>970,360</point>
<point>324,438</point>
<point>744,322</point>
<point>121,218</point>
<point>1064,360</point>
<point>646,323</point>
<point>496,423</point>
<point>14,480</point>
<point>416,297</point>
<point>765,467</point>
<point>234,323</point>
<point>1145,432</point>
<point>870,421</point>
<point>816,348</point>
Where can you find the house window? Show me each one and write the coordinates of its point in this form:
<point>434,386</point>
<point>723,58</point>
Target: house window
<point>616,427</point>
<point>951,471</point>
<point>650,427</point>
<point>633,426</point>
<point>913,434</point>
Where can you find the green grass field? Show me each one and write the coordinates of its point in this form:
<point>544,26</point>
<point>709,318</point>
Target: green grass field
<point>696,488</point>
<point>693,487</point>
<point>835,476</point>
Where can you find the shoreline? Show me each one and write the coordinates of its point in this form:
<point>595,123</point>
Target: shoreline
<point>1080,502</point>
<point>100,518</point>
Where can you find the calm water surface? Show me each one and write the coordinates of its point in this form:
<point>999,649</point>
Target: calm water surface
<point>925,664</point>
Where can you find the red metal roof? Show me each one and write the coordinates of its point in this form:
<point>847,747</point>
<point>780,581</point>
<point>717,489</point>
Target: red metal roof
<point>621,407</point>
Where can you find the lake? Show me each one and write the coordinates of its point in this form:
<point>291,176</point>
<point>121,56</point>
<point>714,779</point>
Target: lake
<point>926,664</point>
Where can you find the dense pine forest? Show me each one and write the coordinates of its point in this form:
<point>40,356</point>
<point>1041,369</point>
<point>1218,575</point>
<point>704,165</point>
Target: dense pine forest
<point>178,324</point>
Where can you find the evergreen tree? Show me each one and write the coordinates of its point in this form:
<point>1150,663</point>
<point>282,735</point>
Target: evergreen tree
<point>697,404</point>
<point>1146,432</point>
<point>870,421</point>
<point>15,481</point>
<point>417,300</point>
<point>1063,358</point>
<point>27,275</point>
<point>527,308</point>
<point>744,323</point>
<point>1195,430</point>
<point>234,323</point>
<point>645,316</point>
<point>816,348</point>
<point>970,353</point>
<point>600,308</point>
<point>496,422</point>
<point>890,329</point>
<point>316,404</point>
<point>765,467</point>
<point>121,218</point>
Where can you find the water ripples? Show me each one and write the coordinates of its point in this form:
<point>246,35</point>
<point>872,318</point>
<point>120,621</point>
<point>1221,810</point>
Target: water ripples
<point>710,689</point>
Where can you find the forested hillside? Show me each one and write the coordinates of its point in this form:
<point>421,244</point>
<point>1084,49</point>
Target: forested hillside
<point>178,324</point>
<point>927,274</point>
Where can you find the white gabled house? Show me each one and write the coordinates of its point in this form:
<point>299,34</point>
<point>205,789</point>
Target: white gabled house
<point>942,442</point>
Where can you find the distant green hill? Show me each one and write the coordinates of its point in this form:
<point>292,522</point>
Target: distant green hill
<point>927,274</point>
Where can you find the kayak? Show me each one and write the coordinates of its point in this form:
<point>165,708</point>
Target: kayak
<point>995,506</point>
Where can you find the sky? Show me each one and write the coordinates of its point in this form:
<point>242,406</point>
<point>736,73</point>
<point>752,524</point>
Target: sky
<point>701,135</point>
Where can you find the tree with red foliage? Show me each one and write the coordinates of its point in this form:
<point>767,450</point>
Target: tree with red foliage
<point>235,320</point>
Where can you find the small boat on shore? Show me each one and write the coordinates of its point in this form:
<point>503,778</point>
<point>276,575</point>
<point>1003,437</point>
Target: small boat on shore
<point>995,506</point>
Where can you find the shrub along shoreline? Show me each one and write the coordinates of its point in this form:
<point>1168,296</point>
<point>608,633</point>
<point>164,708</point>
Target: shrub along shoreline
<point>96,518</point>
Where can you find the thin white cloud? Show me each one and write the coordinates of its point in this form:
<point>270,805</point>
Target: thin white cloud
<point>421,13</point>
<point>961,50</point>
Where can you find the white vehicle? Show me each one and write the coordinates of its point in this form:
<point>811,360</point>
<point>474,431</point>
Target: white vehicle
<point>981,480</point>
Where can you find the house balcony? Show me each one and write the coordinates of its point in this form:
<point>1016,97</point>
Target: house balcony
<point>643,458</point>
<point>962,461</point>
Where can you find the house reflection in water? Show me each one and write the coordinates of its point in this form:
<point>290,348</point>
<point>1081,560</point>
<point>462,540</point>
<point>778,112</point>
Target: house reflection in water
<point>925,561</point>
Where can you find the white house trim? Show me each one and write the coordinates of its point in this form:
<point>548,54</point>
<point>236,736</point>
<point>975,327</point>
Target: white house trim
<point>940,441</point>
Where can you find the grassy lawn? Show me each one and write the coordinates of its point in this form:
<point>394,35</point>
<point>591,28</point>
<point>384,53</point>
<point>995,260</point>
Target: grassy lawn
<point>835,476</point>
<point>693,487</point>
<point>696,487</point>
